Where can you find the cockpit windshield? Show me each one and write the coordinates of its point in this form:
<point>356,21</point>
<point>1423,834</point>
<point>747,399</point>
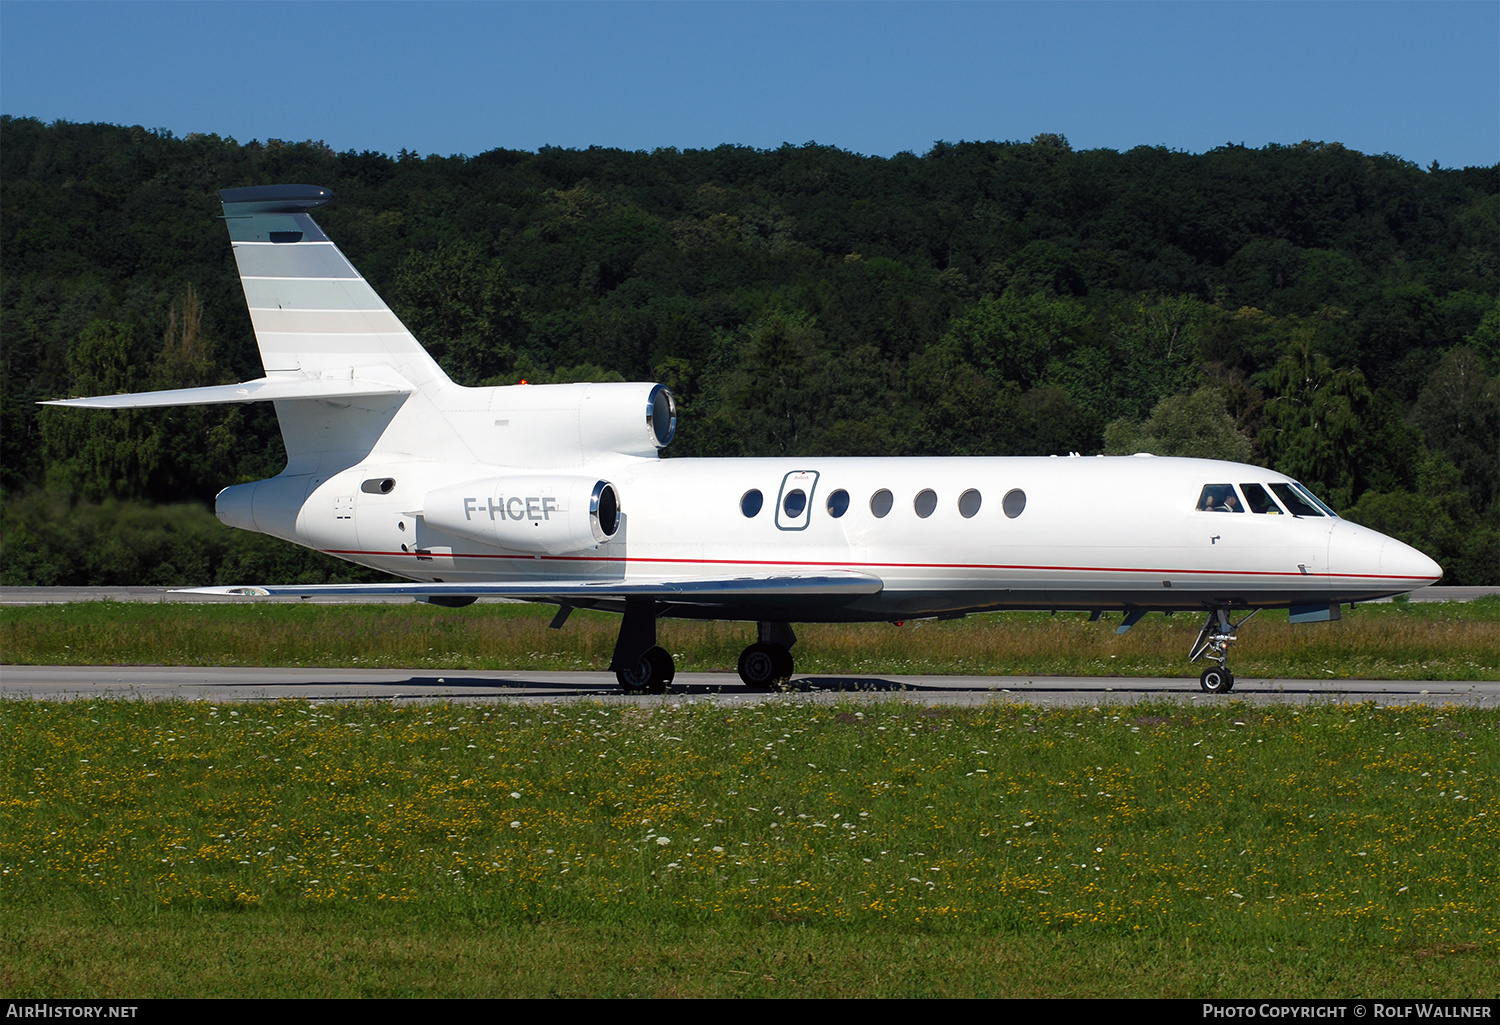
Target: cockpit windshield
<point>1296,503</point>
<point>1294,498</point>
<point>1260,502</point>
<point>1316,500</point>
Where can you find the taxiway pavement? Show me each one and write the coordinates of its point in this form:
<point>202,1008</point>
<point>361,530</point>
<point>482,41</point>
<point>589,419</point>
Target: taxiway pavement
<point>231,684</point>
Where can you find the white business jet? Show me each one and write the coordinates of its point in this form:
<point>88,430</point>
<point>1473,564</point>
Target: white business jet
<point>557,494</point>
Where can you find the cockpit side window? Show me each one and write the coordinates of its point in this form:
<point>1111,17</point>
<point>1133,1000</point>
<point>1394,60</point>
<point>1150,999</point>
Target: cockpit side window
<point>1219,498</point>
<point>1294,502</point>
<point>1260,502</point>
<point>1316,500</point>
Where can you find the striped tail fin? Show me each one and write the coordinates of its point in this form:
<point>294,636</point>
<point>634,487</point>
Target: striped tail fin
<point>314,315</point>
<point>343,371</point>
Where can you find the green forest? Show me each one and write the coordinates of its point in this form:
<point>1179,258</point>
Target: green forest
<point>1330,313</point>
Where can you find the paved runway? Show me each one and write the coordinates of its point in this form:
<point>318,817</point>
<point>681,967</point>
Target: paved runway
<point>56,683</point>
<point>217,684</point>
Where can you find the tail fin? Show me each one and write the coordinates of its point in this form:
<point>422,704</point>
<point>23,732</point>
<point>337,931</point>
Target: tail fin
<point>340,366</point>
<point>314,316</point>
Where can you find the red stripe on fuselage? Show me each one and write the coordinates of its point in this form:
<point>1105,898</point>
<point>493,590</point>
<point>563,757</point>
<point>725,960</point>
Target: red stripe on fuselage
<point>871,565</point>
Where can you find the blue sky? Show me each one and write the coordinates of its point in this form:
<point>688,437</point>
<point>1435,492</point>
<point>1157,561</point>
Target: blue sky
<point>1420,80</point>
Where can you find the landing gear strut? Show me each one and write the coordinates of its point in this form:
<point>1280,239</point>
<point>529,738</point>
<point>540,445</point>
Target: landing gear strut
<point>1214,641</point>
<point>767,664</point>
<point>639,663</point>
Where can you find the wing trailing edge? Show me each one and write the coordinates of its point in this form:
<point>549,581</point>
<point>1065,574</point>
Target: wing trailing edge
<point>264,389</point>
<point>687,591</point>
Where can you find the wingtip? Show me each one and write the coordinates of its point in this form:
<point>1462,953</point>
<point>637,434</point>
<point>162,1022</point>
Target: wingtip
<point>238,589</point>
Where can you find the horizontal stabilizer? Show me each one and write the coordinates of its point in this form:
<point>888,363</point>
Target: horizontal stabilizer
<point>264,389</point>
<point>687,591</point>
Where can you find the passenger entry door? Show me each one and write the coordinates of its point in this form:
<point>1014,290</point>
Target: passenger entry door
<point>794,503</point>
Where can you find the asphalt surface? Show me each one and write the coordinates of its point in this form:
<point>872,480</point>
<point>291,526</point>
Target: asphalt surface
<point>59,683</point>
<point>229,685</point>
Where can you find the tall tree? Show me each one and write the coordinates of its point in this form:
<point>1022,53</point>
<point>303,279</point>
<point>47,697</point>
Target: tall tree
<point>1313,421</point>
<point>1196,425</point>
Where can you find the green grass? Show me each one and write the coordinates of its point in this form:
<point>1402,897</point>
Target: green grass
<point>161,849</point>
<point>1453,641</point>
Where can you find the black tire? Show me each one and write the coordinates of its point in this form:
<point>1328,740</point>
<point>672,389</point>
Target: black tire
<point>650,676</point>
<point>784,665</point>
<point>663,671</point>
<point>634,681</point>
<point>1216,680</point>
<point>765,666</point>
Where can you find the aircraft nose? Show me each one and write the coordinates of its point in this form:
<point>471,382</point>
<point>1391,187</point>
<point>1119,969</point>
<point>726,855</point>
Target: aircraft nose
<point>1402,560</point>
<point>1382,563</point>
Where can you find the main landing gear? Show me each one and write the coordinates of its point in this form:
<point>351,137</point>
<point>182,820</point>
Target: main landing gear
<point>767,664</point>
<point>644,667</point>
<point>639,663</point>
<point>1214,641</point>
<point>651,674</point>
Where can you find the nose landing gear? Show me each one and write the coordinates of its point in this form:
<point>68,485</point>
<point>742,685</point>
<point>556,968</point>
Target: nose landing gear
<point>1214,641</point>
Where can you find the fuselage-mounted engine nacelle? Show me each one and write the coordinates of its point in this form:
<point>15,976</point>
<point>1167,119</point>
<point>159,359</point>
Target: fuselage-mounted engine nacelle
<point>544,514</point>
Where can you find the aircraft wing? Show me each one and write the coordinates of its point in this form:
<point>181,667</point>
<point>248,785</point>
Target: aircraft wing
<point>706,591</point>
<point>263,389</point>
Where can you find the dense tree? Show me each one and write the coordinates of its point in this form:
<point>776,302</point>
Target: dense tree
<point>981,298</point>
<point>463,308</point>
<point>1313,422</point>
<point>1195,424</point>
<point>1459,414</point>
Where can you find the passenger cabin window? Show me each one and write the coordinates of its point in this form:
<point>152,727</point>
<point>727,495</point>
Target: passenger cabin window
<point>1219,498</point>
<point>1014,502</point>
<point>794,502</point>
<point>838,503</point>
<point>880,503</point>
<point>925,502</point>
<point>968,504</point>
<point>1294,502</point>
<point>751,502</point>
<point>1260,502</point>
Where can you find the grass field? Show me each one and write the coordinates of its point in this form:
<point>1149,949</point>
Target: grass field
<point>1453,641</point>
<point>782,849</point>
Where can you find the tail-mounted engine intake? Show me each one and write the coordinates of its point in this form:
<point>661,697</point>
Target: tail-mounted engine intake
<point>543,514</point>
<point>551,426</point>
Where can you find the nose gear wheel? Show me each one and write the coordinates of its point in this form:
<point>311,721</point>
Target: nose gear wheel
<point>1214,639</point>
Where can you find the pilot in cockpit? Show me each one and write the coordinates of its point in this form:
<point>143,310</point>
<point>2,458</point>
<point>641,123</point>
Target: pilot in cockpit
<point>1219,498</point>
